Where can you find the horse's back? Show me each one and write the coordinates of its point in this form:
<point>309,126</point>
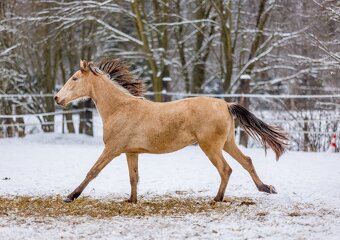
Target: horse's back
<point>198,117</point>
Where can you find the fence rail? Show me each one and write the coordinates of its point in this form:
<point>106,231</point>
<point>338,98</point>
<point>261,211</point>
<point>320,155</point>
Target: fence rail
<point>181,94</point>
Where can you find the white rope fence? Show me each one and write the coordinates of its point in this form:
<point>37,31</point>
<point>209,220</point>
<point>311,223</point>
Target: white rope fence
<point>48,113</point>
<point>303,120</point>
<point>238,95</point>
<point>26,95</point>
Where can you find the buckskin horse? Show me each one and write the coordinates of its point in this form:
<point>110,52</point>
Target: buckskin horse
<point>134,125</point>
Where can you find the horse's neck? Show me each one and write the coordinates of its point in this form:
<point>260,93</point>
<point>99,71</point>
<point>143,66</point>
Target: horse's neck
<point>107,97</point>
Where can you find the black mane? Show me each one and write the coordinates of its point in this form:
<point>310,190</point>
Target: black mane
<point>118,71</point>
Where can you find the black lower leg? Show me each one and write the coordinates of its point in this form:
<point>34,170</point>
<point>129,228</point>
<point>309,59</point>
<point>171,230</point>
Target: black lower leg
<point>71,197</point>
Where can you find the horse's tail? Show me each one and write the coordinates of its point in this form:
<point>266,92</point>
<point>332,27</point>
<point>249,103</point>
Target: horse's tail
<point>268,136</point>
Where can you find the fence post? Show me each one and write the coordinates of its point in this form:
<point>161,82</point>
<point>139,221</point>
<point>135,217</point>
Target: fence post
<point>62,123</point>
<point>88,118</point>
<point>244,89</point>
<point>13,120</point>
<point>306,141</point>
<point>238,134</point>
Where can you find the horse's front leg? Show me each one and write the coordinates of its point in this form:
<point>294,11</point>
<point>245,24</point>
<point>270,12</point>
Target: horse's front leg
<point>106,157</point>
<point>132,160</point>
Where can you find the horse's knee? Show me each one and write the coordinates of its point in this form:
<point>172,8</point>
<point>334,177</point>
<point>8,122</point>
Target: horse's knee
<point>227,170</point>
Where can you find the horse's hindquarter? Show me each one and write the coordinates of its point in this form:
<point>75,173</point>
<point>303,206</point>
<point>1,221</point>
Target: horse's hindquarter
<point>211,120</point>
<point>165,127</point>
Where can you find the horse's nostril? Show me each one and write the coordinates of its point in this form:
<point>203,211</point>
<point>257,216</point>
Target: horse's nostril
<point>55,98</point>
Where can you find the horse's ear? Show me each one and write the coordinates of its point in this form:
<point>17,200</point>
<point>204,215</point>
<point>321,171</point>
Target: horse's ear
<point>84,66</point>
<point>94,69</point>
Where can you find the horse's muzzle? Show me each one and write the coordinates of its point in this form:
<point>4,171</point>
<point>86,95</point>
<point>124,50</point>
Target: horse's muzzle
<point>57,100</point>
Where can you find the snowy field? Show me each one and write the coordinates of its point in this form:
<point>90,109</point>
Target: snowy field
<point>306,207</point>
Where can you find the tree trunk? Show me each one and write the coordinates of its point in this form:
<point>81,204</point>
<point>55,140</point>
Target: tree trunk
<point>201,51</point>
<point>156,81</point>
<point>85,118</point>
<point>262,17</point>
<point>68,116</point>
<point>181,48</point>
<point>225,18</point>
<point>161,15</point>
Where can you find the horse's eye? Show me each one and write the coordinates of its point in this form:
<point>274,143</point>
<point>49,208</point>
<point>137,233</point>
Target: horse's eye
<point>74,78</point>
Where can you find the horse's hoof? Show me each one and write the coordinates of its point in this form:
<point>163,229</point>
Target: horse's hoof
<point>272,189</point>
<point>267,188</point>
<point>218,199</point>
<point>131,201</point>
<point>68,200</point>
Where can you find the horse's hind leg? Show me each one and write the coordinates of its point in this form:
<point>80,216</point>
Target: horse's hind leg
<point>216,157</point>
<point>132,160</point>
<point>231,148</point>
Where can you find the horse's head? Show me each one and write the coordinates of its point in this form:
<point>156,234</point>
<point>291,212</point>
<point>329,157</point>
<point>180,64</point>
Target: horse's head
<point>78,86</point>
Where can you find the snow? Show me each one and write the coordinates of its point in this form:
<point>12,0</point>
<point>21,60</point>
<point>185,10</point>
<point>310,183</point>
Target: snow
<point>167,79</point>
<point>52,164</point>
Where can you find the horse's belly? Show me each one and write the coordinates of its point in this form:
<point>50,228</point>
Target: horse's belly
<point>161,144</point>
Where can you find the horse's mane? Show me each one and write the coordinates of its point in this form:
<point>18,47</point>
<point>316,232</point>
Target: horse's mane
<point>118,71</point>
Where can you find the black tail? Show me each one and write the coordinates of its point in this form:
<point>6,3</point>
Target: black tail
<point>268,136</point>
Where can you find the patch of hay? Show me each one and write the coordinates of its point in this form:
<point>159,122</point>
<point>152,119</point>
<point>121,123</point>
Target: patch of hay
<point>262,214</point>
<point>25,206</point>
<point>294,214</point>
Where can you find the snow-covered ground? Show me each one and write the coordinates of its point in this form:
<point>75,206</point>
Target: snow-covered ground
<point>307,206</point>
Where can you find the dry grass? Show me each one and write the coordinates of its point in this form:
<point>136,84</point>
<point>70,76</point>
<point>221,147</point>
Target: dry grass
<point>294,214</point>
<point>24,206</point>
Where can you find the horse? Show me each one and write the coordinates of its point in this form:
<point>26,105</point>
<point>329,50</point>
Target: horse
<point>133,125</point>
